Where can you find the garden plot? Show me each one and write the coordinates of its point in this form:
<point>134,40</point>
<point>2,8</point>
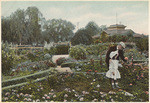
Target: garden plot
<point>68,87</point>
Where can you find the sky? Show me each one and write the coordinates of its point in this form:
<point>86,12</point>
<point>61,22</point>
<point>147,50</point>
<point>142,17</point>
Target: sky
<point>133,14</point>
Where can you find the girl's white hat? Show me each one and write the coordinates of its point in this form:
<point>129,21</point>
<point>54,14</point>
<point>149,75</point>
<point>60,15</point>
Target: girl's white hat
<point>122,44</point>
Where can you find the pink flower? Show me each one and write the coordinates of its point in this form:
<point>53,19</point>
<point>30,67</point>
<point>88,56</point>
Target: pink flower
<point>47,97</point>
<point>142,75</point>
<point>146,92</point>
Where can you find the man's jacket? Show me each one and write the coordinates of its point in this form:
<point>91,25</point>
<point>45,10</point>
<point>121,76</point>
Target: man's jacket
<point>114,48</point>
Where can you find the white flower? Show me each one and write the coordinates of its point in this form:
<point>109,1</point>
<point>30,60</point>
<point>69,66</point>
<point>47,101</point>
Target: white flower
<point>112,100</point>
<point>38,89</point>
<point>65,95</point>
<point>41,87</point>
<point>26,95</point>
<point>6,98</point>
<point>83,92</point>
<point>93,79</point>
<point>101,93</point>
<point>95,100</point>
<point>111,92</point>
<point>81,99</point>
<point>73,90</point>
<point>87,93</point>
<point>98,86</point>
<point>76,95</point>
<point>7,93</point>
<point>30,96</point>
<point>91,83</point>
<point>45,95</point>
<point>18,95</point>
<point>54,96</point>
<point>29,99</point>
<point>51,93</point>
<point>21,94</point>
<point>52,90</point>
<point>25,99</point>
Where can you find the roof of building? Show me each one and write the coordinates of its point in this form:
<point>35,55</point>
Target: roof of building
<point>122,32</point>
<point>117,25</point>
<point>137,35</point>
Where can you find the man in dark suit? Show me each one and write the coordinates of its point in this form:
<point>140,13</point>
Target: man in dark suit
<point>120,54</point>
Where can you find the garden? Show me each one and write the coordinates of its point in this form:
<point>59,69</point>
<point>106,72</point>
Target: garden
<point>30,76</point>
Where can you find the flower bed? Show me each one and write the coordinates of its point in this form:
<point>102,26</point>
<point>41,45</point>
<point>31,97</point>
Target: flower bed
<point>84,87</point>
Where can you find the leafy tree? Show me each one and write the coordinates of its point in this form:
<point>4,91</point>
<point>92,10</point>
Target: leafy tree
<point>92,28</point>
<point>81,37</point>
<point>59,30</point>
<point>33,23</point>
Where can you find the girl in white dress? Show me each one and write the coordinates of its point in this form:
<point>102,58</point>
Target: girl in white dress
<point>113,72</point>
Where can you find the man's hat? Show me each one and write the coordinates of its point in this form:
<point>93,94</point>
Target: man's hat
<point>122,44</point>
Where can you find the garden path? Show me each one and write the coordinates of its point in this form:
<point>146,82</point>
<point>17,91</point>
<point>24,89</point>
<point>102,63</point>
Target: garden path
<point>65,69</point>
<point>55,57</point>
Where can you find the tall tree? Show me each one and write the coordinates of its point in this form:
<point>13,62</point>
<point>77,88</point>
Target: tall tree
<point>33,24</point>
<point>59,30</point>
<point>81,37</point>
<point>92,28</point>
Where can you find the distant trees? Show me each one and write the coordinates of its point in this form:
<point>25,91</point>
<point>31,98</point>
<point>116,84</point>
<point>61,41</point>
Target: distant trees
<point>22,26</point>
<point>25,27</point>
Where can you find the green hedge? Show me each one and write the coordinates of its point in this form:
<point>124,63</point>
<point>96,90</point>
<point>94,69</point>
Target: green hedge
<point>62,49</point>
<point>77,53</point>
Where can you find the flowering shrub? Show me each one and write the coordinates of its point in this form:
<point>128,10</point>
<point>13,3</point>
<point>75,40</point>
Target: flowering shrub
<point>77,53</point>
<point>135,80</point>
<point>9,59</point>
<point>136,54</point>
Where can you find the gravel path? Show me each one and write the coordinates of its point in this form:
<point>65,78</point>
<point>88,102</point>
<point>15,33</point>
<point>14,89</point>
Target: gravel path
<point>65,69</point>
